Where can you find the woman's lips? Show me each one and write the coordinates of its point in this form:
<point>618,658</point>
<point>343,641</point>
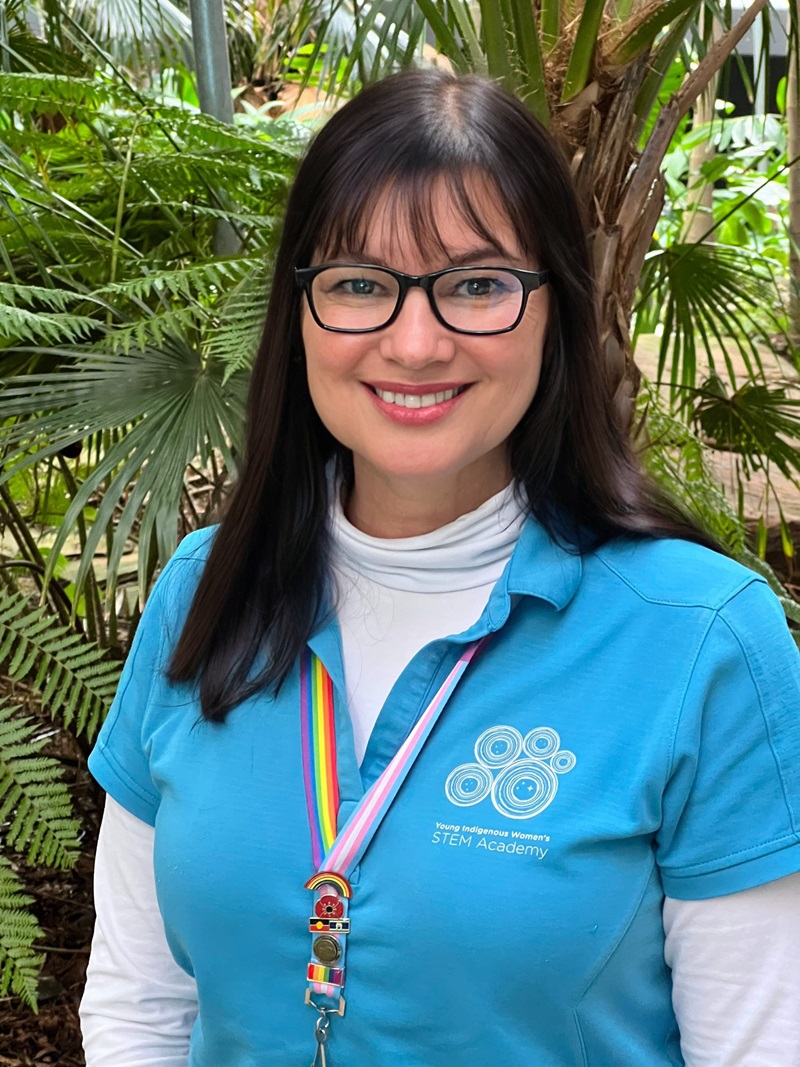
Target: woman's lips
<point>416,404</point>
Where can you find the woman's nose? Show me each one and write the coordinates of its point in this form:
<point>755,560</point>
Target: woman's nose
<point>416,337</point>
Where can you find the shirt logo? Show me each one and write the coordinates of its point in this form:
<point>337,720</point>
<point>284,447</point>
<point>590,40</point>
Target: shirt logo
<point>519,774</point>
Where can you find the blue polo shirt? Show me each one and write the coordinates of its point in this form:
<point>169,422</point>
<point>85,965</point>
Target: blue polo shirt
<point>631,730</point>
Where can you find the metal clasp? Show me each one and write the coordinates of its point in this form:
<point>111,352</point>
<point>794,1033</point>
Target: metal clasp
<point>323,1009</point>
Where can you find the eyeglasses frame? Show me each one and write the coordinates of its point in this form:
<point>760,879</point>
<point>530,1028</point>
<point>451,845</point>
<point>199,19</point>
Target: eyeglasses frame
<point>531,281</point>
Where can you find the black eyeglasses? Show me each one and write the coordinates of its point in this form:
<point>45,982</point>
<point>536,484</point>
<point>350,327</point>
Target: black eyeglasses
<point>359,298</point>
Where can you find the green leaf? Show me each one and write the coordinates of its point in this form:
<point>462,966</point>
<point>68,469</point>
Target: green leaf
<point>35,805</point>
<point>531,84</point>
<point>580,60</point>
<point>787,541</point>
<point>780,96</point>
<point>76,680</point>
<point>496,42</point>
<point>639,36</point>
<point>550,22</point>
<point>19,931</point>
<point>718,294</point>
<point>761,538</point>
<point>460,45</point>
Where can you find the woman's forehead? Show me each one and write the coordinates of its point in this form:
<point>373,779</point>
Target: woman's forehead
<point>442,218</point>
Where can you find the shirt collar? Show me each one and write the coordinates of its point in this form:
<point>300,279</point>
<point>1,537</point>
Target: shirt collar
<point>539,567</point>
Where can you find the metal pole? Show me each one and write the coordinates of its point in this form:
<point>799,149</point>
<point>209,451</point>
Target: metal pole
<point>213,69</point>
<point>211,59</point>
<point>760,76</point>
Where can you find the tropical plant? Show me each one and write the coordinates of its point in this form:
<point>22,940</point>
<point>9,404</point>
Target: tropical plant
<point>74,682</point>
<point>615,82</point>
<point>122,334</point>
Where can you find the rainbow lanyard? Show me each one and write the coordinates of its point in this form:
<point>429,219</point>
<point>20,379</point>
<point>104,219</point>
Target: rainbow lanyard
<point>337,854</point>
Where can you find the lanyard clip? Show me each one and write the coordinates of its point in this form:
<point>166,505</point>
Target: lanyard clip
<point>323,1010</point>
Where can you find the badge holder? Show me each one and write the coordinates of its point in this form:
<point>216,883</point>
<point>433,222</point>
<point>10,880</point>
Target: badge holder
<point>329,925</point>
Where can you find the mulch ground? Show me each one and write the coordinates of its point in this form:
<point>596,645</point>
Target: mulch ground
<point>63,907</point>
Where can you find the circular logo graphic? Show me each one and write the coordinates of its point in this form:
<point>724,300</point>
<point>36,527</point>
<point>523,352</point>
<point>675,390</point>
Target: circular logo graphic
<point>563,761</point>
<point>498,746</point>
<point>519,774</point>
<point>541,742</point>
<point>524,789</point>
<point>468,784</point>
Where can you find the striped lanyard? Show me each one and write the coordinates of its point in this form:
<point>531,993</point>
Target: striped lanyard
<point>336,854</point>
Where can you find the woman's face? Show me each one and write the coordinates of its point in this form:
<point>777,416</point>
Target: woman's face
<point>454,445</point>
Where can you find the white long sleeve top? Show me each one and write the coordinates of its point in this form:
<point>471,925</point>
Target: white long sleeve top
<point>734,959</point>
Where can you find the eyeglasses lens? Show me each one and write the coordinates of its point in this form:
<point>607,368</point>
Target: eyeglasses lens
<point>483,300</point>
<point>480,300</point>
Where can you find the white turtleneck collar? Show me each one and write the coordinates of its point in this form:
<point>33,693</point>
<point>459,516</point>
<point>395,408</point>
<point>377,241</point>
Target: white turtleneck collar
<point>465,554</point>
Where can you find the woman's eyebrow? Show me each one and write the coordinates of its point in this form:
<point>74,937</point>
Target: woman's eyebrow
<point>474,255</point>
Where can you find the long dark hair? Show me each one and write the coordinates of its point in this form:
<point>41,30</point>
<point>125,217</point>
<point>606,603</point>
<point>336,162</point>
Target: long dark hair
<point>265,585</point>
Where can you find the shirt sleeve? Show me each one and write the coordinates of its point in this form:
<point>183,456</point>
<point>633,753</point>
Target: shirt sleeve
<point>731,806</point>
<point>138,1006</point>
<point>736,975</point>
<point>120,760</point>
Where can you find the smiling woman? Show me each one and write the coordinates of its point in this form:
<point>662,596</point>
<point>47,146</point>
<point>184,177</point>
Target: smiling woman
<point>441,583</point>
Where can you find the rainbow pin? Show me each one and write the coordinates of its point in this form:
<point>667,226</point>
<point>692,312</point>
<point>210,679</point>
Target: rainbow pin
<point>332,879</point>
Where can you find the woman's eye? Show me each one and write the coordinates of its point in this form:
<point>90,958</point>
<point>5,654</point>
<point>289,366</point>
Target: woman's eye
<point>362,286</point>
<point>479,287</point>
<point>357,286</point>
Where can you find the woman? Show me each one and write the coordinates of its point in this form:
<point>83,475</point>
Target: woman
<point>443,583</point>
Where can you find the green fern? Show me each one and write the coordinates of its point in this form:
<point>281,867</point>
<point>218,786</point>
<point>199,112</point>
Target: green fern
<point>76,680</point>
<point>37,296</point>
<point>80,97</point>
<point>35,806</point>
<point>188,283</point>
<point>19,931</point>
<point>18,324</point>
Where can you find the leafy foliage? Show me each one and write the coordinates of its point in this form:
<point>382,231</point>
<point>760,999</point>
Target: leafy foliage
<point>34,801</point>
<point>705,293</point>
<point>121,322</point>
<point>19,962</point>
<point>76,680</point>
<point>75,683</point>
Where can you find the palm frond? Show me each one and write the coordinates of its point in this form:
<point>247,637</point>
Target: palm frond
<point>677,458</point>
<point>76,679</point>
<point>197,281</point>
<point>35,806</point>
<point>638,32</point>
<point>233,341</point>
<point>718,294</point>
<point>33,93</point>
<point>173,405</point>
<point>758,421</point>
<point>136,32</point>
